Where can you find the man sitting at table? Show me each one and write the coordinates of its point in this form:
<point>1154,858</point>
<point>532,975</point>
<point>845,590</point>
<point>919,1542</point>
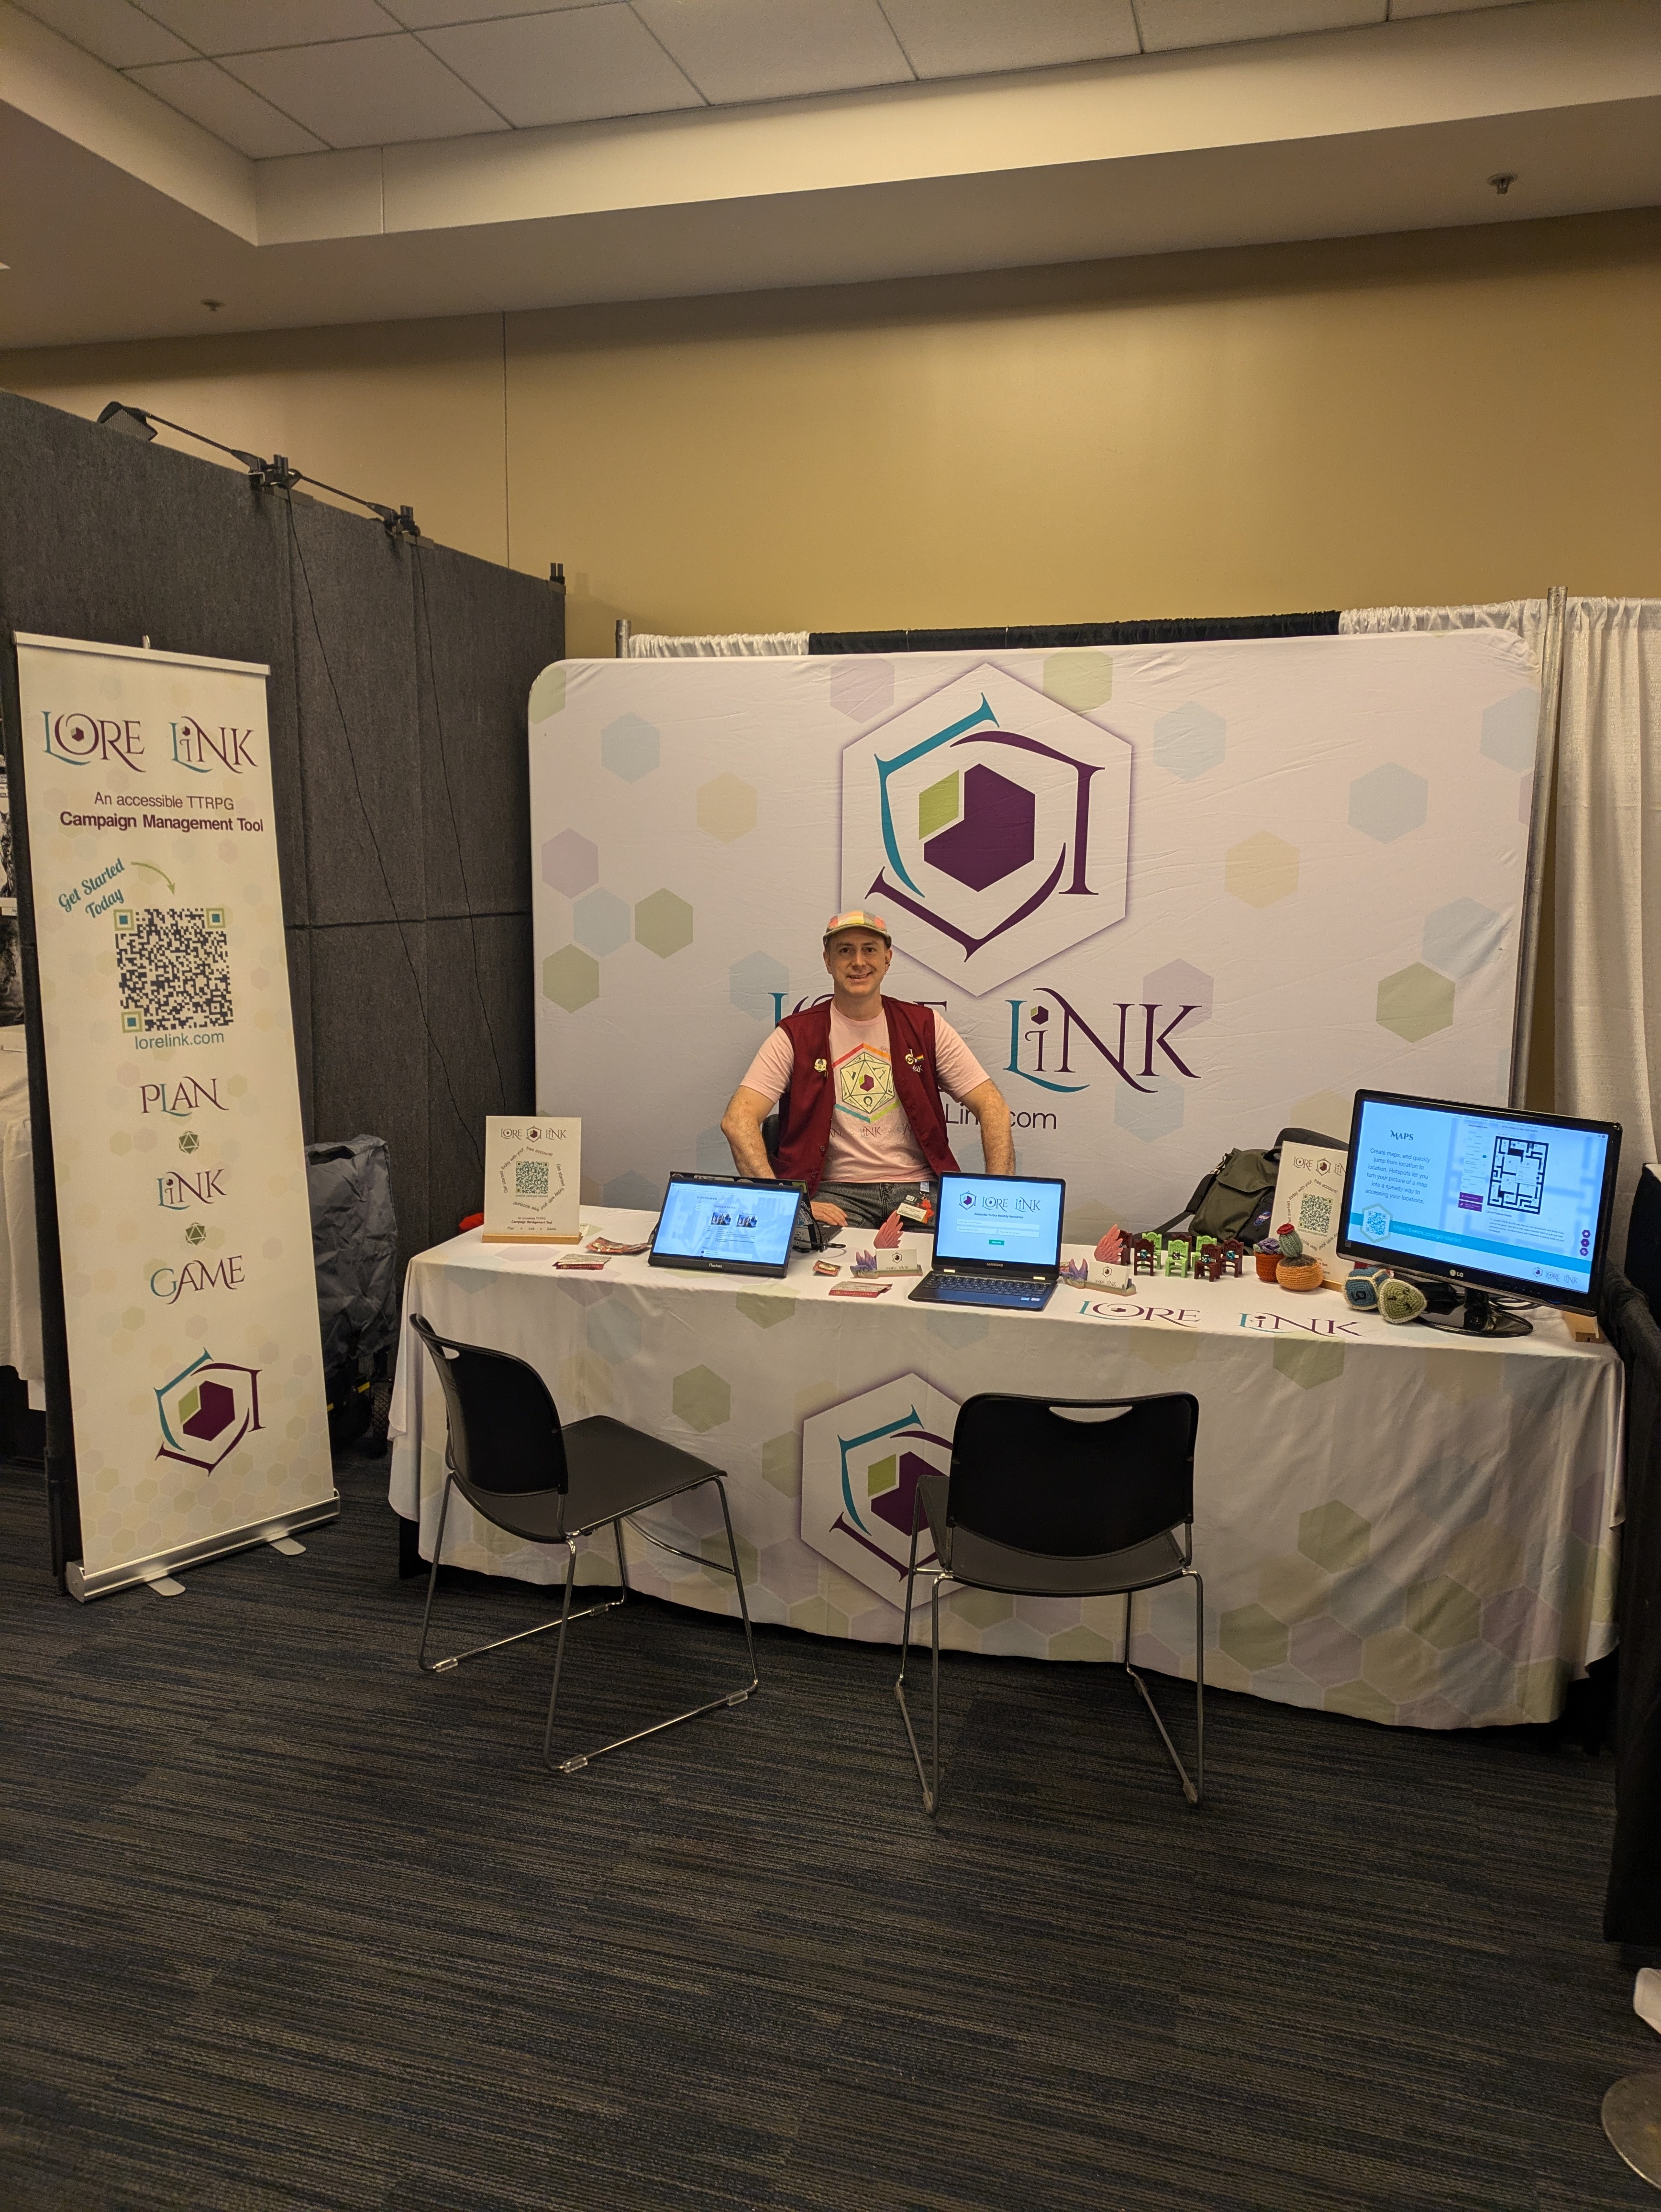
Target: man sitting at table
<point>860,1078</point>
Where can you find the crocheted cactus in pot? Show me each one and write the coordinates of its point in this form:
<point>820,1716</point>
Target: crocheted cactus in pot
<point>1296,1270</point>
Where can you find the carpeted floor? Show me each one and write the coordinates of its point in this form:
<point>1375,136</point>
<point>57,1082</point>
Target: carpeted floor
<point>291,1925</point>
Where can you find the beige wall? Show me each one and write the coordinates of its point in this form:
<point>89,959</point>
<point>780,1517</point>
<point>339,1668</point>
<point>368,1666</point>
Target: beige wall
<point>1441,417</point>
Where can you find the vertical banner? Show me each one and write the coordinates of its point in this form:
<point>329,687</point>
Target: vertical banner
<point>194,1373</point>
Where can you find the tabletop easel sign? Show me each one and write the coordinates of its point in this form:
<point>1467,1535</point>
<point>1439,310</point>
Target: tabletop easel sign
<point>532,1188</point>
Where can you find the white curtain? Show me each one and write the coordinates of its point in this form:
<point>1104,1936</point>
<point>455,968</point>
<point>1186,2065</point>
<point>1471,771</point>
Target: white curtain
<point>1609,878</point>
<point>654,645</point>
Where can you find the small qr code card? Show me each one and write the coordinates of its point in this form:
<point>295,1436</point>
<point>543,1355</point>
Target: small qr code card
<point>531,1180</point>
<point>1307,1194</point>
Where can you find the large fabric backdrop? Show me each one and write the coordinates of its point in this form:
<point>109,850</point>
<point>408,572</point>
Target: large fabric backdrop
<point>1173,897</point>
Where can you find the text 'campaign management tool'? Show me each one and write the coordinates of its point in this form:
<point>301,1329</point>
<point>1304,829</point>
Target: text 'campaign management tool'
<point>1462,1192</point>
<point>732,1226</point>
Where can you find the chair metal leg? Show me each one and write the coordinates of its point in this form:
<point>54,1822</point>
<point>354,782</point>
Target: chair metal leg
<point>930,1791</point>
<point>580,1760</point>
<point>443,1666</point>
<point>1194,1785</point>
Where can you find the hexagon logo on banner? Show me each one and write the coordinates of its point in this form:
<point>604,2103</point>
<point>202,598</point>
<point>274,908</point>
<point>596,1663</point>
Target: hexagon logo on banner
<point>990,826</point>
<point>206,1411</point>
<point>861,1462</point>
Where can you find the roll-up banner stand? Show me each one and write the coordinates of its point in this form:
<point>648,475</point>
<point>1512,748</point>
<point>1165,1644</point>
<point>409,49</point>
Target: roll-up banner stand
<point>185,1414</point>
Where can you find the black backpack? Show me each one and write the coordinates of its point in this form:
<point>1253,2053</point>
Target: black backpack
<point>1236,1199</point>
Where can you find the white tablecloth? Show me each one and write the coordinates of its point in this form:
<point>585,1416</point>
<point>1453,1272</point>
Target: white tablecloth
<point>1390,1521</point>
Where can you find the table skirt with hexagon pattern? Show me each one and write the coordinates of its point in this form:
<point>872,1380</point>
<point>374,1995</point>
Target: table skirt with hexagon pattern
<point>1390,1521</point>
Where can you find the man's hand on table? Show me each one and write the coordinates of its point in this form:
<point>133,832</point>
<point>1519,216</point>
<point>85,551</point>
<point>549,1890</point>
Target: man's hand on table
<point>831,1216</point>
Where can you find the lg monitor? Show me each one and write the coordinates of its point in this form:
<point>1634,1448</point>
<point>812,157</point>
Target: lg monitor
<point>1501,1206</point>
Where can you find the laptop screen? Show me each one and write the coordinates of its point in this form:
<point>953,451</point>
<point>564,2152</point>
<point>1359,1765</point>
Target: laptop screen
<point>710,1222</point>
<point>999,1221</point>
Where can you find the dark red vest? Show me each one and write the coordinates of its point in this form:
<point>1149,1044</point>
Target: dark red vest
<point>806,1108</point>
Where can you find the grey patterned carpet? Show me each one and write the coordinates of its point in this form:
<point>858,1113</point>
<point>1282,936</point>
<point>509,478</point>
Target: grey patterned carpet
<point>290,1925</point>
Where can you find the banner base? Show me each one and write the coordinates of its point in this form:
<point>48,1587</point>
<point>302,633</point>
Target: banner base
<point>83,1586</point>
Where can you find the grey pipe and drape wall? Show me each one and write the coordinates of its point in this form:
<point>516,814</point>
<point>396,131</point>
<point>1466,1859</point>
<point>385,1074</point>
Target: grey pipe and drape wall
<point>398,680</point>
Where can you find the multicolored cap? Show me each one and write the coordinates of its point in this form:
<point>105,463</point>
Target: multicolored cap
<point>856,918</point>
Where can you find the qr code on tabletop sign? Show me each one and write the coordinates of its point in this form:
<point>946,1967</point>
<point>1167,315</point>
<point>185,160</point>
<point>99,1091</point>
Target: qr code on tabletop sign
<point>173,965</point>
<point>531,1179</point>
<point>1315,1213</point>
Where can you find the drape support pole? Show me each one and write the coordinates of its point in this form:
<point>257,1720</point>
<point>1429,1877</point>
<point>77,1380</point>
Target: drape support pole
<point>623,637</point>
<point>1540,818</point>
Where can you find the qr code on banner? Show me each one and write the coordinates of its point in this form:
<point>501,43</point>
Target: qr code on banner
<point>174,967</point>
<point>1315,1213</point>
<point>531,1179</point>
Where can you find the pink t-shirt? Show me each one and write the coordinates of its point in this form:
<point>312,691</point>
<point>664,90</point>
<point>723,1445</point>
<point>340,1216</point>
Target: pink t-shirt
<point>871,1139</point>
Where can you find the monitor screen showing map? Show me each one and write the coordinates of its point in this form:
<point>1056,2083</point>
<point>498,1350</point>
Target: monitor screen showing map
<point>1509,1202</point>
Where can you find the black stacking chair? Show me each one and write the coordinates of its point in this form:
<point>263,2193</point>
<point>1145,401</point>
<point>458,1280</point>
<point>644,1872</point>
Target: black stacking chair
<point>516,1463</point>
<point>1061,1498</point>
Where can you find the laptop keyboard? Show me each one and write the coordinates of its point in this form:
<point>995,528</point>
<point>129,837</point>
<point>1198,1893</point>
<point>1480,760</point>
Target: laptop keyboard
<point>989,1290</point>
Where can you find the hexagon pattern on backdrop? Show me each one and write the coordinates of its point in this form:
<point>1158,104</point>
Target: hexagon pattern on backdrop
<point>600,921</point>
<point>1152,1114</point>
<point>1415,1002</point>
<point>1261,869</point>
<point>570,863</point>
<point>631,747</point>
<point>862,686</point>
<point>1080,676</point>
<point>1179,984</point>
<point>1189,740</point>
<point>570,977</point>
<point>1510,728</point>
<point>755,982</point>
<point>1460,936</point>
<point>726,807</point>
<point>1387,802</point>
<point>663,924</point>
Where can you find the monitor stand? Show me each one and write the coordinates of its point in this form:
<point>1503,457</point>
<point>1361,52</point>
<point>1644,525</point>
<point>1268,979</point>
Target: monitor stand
<point>1477,1315</point>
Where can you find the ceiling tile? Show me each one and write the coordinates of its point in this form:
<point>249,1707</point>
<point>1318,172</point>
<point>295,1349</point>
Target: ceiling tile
<point>113,30</point>
<point>565,67</point>
<point>736,50</point>
<point>234,26</point>
<point>427,14</point>
<point>203,91</point>
<point>966,38</point>
<point>1167,23</point>
<point>367,92</point>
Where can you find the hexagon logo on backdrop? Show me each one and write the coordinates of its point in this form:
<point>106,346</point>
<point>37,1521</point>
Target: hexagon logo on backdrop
<point>206,1411</point>
<point>990,826</point>
<point>861,1462</point>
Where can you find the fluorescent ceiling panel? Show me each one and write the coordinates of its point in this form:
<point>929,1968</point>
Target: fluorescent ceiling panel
<point>968,38</point>
<point>738,50</point>
<point>113,30</point>
<point>425,15</point>
<point>1167,23</point>
<point>238,27</point>
<point>367,92</point>
<point>203,91</point>
<point>567,67</point>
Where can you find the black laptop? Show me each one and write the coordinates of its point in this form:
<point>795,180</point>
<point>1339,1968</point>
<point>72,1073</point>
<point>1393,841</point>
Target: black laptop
<point>997,1242</point>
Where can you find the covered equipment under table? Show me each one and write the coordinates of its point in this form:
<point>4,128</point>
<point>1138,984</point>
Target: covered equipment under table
<point>1393,1522</point>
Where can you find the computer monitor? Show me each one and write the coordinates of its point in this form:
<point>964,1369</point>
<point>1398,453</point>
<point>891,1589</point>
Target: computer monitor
<point>730,1224</point>
<point>998,1222</point>
<point>1482,1198</point>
